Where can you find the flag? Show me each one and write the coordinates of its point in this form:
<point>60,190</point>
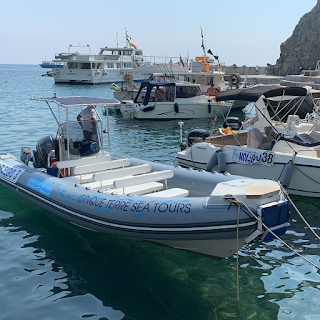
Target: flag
<point>210,52</point>
<point>181,61</point>
<point>130,42</point>
<point>202,45</point>
<point>216,57</point>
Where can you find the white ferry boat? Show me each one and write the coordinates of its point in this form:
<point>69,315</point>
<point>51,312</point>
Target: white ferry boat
<point>108,66</point>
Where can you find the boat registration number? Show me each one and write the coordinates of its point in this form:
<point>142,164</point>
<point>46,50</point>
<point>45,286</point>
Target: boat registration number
<point>10,172</point>
<point>265,158</point>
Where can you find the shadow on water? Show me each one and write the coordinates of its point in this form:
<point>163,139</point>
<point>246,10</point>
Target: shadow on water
<point>56,264</point>
<point>140,279</point>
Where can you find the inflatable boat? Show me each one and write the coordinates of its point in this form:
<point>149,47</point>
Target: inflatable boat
<point>209,213</point>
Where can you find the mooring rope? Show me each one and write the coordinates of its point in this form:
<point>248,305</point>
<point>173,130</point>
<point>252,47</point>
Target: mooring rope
<point>298,211</point>
<point>238,221</point>
<point>237,202</point>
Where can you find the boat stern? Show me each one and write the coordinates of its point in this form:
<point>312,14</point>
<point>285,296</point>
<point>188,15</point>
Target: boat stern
<point>263,199</point>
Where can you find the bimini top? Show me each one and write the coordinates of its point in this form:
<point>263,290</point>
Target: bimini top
<point>253,94</point>
<point>79,101</point>
<point>149,85</point>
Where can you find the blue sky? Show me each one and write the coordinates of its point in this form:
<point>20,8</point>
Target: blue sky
<point>247,32</point>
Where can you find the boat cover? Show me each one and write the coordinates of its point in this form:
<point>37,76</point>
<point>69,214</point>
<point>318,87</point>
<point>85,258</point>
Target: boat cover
<point>80,101</point>
<point>149,85</point>
<point>253,94</point>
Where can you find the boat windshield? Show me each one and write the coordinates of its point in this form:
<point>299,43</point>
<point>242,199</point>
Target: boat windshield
<point>79,144</point>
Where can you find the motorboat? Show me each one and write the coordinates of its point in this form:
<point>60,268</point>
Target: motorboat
<point>128,90</point>
<point>171,100</point>
<point>76,179</point>
<point>263,148</point>
<point>110,65</point>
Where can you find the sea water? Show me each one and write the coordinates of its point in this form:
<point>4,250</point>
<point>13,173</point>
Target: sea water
<point>51,269</point>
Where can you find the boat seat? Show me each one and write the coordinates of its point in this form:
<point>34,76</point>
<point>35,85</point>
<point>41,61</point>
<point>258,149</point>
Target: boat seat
<point>144,178</point>
<point>270,133</point>
<point>170,193</point>
<point>119,173</point>
<point>82,161</point>
<point>105,184</point>
<point>101,166</point>
<point>138,189</point>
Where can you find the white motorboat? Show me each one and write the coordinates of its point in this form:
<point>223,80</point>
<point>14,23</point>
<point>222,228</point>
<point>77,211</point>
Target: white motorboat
<point>213,214</point>
<point>288,152</point>
<point>128,91</point>
<point>172,100</point>
<point>108,66</point>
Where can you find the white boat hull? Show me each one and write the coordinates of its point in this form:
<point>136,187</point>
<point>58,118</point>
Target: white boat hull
<point>305,179</point>
<point>168,110</point>
<point>88,76</point>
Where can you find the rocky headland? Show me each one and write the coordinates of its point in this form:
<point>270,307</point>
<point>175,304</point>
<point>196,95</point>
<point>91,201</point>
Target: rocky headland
<point>301,51</point>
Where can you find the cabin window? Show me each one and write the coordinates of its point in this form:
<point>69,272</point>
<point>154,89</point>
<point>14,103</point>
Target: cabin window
<point>127,65</point>
<point>110,65</point>
<point>118,65</point>
<point>84,65</point>
<point>188,91</point>
<point>170,93</point>
<point>72,65</point>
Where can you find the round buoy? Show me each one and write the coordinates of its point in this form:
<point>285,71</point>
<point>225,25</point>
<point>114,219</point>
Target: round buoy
<point>213,161</point>
<point>222,162</point>
<point>286,175</point>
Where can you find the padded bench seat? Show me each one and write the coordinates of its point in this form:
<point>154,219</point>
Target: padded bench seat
<point>138,189</point>
<point>169,193</point>
<point>82,161</point>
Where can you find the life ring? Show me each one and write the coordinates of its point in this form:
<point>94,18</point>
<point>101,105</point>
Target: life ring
<point>128,78</point>
<point>63,172</point>
<point>234,79</point>
<point>53,163</point>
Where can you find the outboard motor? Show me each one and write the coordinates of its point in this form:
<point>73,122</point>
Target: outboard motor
<point>233,123</point>
<point>43,149</point>
<point>197,135</point>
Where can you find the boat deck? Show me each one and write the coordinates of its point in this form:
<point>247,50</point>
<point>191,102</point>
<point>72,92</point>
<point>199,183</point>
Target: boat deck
<point>118,177</point>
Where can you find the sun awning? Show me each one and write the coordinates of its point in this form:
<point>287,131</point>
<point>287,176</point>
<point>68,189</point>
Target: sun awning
<point>79,101</point>
<point>253,94</point>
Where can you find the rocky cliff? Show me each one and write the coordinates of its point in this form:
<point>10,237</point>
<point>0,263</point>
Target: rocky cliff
<point>302,49</point>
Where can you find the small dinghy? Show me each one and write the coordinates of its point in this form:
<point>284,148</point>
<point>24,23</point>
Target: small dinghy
<point>72,177</point>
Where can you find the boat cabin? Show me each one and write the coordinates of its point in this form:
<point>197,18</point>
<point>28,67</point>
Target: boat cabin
<point>166,91</point>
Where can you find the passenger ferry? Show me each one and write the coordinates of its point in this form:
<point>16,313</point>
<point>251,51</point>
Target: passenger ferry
<point>108,66</point>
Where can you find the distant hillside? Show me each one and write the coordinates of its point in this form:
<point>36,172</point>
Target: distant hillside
<point>302,49</point>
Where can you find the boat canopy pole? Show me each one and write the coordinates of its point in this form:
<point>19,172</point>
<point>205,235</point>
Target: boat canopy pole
<point>108,126</point>
<point>52,112</point>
